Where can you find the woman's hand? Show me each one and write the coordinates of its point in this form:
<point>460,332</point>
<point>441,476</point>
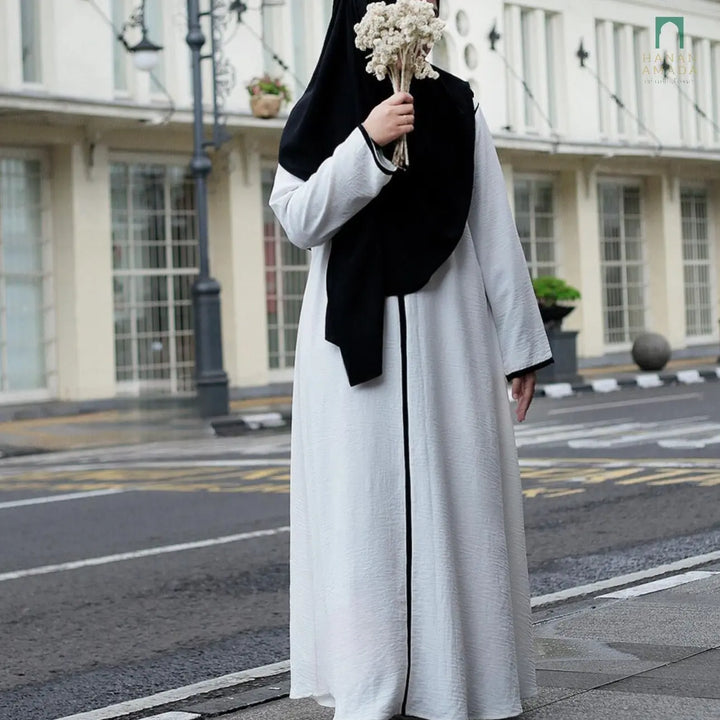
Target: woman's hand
<point>523,390</point>
<point>391,119</point>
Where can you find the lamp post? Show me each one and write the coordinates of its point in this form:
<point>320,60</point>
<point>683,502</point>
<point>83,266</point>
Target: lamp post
<point>211,379</point>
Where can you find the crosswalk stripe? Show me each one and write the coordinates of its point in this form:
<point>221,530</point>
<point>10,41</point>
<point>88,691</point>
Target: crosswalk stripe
<point>638,438</point>
<point>691,432</point>
<point>571,434</point>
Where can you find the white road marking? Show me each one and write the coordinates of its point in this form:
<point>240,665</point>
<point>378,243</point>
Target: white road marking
<point>622,580</point>
<point>714,440</point>
<point>163,698</point>
<point>173,716</point>
<point>563,435</point>
<point>149,552</point>
<point>657,585</point>
<point>59,498</point>
<point>622,403</point>
<point>652,434</point>
<point>145,465</point>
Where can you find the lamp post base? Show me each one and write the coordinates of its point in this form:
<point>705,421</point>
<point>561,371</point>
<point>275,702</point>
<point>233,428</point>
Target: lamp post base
<point>211,379</point>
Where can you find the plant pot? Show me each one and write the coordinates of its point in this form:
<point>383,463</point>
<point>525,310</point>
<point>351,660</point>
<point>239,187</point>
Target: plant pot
<point>265,105</point>
<point>563,344</point>
<point>553,315</point>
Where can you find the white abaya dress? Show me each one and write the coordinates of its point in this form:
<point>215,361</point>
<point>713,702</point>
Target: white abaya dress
<point>408,575</point>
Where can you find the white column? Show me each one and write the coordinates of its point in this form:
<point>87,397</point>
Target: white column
<point>82,271</point>
<point>605,68</point>
<point>684,92</point>
<point>580,252</point>
<point>238,262</point>
<point>539,84</point>
<point>703,77</point>
<point>513,52</point>
<point>10,44</point>
<point>715,85</point>
<point>714,228</point>
<point>630,80</point>
<point>663,243</point>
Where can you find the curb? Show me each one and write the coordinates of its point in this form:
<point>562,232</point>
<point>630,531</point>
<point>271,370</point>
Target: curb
<point>641,380</point>
<point>242,424</point>
<point>235,425</point>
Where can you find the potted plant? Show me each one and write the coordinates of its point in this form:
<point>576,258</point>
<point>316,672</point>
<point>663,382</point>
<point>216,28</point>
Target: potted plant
<point>551,294</point>
<point>549,291</point>
<point>267,95</point>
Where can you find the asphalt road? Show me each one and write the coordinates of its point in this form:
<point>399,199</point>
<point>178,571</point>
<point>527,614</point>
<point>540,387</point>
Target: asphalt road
<point>613,483</point>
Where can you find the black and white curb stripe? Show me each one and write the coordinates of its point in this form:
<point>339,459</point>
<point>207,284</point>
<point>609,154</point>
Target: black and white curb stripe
<point>241,424</point>
<point>643,380</point>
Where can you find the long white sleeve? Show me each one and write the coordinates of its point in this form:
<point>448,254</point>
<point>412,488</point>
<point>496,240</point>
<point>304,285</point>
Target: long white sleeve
<point>523,341</point>
<point>312,211</point>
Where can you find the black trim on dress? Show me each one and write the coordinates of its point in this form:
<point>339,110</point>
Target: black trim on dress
<point>408,515</point>
<point>532,368</point>
<point>374,149</point>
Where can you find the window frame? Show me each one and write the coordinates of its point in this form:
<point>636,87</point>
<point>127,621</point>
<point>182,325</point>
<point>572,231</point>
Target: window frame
<point>623,182</point>
<point>49,319</point>
<point>534,178</point>
<point>171,385</point>
<point>712,335</point>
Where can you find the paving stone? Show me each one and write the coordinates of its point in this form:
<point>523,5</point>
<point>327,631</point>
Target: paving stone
<point>576,680</point>
<point>595,656</point>
<point>608,705</point>
<point>634,621</point>
<point>706,687</point>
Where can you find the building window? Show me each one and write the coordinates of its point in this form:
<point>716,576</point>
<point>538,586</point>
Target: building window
<point>24,341</point>
<point>30,40</point>
<point>532,68</point>
<point>300,16</point>
<point>639,43</point>
<point>697,266</point>
<point>621,80</point>
<point>621,256</point>
<point>551,24</point>
<point>286,269</point>
<point>526,35</point>
<point>327,12</point>
<point>120,55</point>
<point>155,262</point>
<point>618,54</point>
<point>535,218</point>
<point>155,25</point>
<point>715,88</point>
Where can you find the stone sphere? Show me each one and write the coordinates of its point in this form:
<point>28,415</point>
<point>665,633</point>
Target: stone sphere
<point>651,351</point>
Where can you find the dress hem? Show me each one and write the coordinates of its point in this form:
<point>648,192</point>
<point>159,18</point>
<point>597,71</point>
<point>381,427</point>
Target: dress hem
<point>326,700</point>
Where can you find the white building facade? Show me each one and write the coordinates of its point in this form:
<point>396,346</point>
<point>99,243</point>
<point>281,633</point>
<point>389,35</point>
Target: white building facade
<point>613,171</point>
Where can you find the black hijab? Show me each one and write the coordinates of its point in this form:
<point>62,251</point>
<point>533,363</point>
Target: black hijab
<point>394,244</point>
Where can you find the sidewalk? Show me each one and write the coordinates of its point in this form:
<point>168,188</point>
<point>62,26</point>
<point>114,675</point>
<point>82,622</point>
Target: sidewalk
<point>644,653</point>
<point>56,426</point>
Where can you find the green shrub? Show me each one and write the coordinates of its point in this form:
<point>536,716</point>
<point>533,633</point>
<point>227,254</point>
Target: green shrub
<point>550,290</point>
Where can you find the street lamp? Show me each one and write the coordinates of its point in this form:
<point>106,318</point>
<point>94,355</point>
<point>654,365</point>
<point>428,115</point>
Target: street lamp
<point>145,52</point>
<point>211,379</point>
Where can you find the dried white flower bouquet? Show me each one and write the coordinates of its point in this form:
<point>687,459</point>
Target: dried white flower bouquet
<point>400,37</point>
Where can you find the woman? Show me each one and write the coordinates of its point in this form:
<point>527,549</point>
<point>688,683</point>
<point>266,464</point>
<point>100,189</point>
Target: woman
<point>408,575</point>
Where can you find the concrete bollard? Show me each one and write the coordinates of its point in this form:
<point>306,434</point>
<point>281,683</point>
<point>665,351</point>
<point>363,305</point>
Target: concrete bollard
<point>651,352</point>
